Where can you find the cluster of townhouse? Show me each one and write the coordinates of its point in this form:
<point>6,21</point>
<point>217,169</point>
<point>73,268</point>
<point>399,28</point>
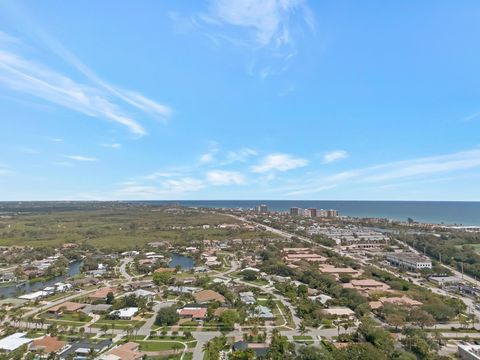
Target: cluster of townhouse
<point>350,236</point>
<point>295,255</point>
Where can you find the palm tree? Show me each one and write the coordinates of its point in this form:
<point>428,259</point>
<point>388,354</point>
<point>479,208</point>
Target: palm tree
<point>104,328</point>
<point>176,347</point>
<point>207,348</point>
<point>129,330</point>
<point>92,353</point>
<point>302,328</point>
<point>137,327</point>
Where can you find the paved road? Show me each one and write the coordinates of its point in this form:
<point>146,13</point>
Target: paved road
<point>202,338</point>
<point>123,269</point>
<point>146,328</point>
<point>57,302</point>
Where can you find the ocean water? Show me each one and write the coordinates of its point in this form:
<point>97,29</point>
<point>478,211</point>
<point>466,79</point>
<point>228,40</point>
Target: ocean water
<point>439,212</point>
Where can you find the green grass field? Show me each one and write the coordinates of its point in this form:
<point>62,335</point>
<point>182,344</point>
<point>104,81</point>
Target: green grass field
<point>159,346</point>
<point>118,227</point>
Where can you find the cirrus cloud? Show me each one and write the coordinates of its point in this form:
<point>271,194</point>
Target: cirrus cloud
<point>333,156</point>
<point>222,177</point>
<point>279,162</point>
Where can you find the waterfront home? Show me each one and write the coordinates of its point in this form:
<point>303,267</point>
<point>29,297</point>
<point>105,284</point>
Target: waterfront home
<point>7,277</point>
<point>101,294</point>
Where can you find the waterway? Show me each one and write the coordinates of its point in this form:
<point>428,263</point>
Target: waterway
<point>15,290</point>
<point>185,262</point>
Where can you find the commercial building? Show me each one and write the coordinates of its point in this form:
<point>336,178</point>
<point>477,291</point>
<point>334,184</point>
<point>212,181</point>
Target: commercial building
<point>409,261</point>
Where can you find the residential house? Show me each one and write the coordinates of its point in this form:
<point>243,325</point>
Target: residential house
<point>193,313</point>
<point>82,348</point>
<point>66,307</point>
<point>205,296</point>
<point>13,342</point>
<point>127,351</point>
<point>262,312</point>
<point>47,345</point>
<point>101,294</point>
<point>339,312</point>
<point>247,298</point>
<point>125,313</point>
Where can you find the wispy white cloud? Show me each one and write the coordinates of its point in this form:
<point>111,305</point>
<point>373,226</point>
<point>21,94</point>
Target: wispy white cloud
<point>333,156</point>
<point>266,30</point>
<point>81,158</point>
<point>241,155</point>
<point>111,145</point>
<point>222,177</point>
<point>279,162</point>
<point>267,20</point>
<point>426,166</point>
<point>4,170</point>
<point>31,78</point>
<point>169,188</point>
<point>471,116</point>
<point>161,174</point>
<point>6,38</point>
<point>209,156</point>
<point>95,97</point>
<point>389,173</point>
<point>308,191</point>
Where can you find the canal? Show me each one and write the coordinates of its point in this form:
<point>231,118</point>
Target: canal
<point>15,290</point>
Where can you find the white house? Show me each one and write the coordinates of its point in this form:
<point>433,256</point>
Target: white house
<point>13,342</point>
<point>125,313</point>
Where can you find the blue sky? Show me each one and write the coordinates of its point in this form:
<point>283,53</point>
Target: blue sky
<point>220,99</point>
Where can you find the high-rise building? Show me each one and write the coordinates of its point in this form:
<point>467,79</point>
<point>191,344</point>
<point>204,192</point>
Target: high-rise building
<point>295,211</point>
<point>262,209</point>
<point>332,213</point>
<point>322,213</point>
<point>312,212</point>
